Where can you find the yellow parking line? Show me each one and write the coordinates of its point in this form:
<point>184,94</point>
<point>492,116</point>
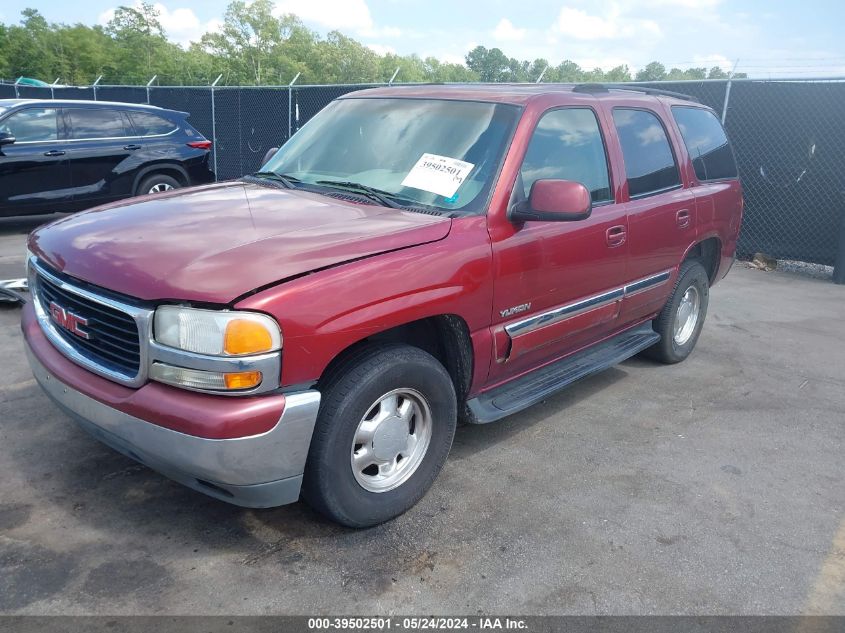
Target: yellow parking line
<point>16,386</point>
<point>827,595</point>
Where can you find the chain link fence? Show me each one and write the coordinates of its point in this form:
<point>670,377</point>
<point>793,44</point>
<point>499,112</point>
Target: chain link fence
<point>787,135</point>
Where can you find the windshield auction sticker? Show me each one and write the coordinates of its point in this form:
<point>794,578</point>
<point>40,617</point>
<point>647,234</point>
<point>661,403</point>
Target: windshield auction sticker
<point>438,174</point>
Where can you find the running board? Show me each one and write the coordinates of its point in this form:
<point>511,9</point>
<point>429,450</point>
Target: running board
<point>538,385</point>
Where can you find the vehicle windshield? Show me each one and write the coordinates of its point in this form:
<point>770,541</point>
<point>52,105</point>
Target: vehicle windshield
<point>431,152</point>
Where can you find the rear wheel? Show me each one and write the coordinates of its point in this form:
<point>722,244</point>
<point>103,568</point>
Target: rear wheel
<point>157,183</point>
<point>682,318</point>
<point>386,424</point>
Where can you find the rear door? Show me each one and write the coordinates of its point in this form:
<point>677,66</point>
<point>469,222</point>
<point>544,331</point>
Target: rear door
<point>34,173</point>
<point>718,195</point>
<point>100,140</point>
<point>660,209</point>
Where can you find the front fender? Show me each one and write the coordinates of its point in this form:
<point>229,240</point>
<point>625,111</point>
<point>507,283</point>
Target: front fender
<point>326,312</point>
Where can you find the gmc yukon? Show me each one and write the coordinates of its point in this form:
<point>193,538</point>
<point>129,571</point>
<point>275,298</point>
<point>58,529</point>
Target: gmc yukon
<point>411,258</point>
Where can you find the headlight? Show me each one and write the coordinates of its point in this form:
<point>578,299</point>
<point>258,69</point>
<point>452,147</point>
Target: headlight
<point>216,332</point>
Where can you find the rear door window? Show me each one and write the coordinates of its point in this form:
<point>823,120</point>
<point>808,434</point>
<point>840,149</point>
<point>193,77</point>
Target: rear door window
<point>567,144</point>
<point>649,162</point>
<point>147,124</point>
<point>706,143</point>
<point>96,123</point>
<point>32,124</point>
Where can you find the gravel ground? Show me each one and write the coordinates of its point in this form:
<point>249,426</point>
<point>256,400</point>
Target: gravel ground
<point>716,486</point>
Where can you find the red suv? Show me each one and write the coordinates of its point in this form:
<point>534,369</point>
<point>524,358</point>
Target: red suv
<point>412,257</point>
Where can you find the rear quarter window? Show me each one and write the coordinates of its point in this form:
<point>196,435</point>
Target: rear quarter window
<point>706,143</point>
<point>147,124</point>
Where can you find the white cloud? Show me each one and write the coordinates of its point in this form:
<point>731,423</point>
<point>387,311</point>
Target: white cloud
<point>344,15</point>
<point>605,63</point>
<point>505,31</point>
<point>181,25</point>
<point>381,49</point>
<point>453,58</point>
<point>708,61</point>
<point>686,4</point>
<point>579,24</point>
<point>382,31</point>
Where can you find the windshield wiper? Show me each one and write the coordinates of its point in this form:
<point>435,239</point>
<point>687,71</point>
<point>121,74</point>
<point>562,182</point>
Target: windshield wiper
<point>377,195</point>
<point>286,179</point>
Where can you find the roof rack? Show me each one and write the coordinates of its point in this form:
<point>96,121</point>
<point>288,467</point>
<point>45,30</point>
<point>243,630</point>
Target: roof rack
<point>593,88</point>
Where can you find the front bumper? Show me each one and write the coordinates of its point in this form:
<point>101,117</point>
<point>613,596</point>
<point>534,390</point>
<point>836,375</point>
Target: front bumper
<point>257,471</point>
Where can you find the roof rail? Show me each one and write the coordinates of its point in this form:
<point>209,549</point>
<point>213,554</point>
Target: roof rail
<point>593,88</point>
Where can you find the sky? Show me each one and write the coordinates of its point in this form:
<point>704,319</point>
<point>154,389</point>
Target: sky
<point>768,38</point>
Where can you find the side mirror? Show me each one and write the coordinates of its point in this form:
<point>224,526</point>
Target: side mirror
<point>7,138</point>
<point>554,201</point>
<point>270,153</point>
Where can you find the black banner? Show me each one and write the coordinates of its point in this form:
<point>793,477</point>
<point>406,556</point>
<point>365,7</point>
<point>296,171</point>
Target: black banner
<point>526,624</point>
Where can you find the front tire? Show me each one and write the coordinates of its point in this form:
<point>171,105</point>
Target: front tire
<point>386,424</point>
<point>682,318</point>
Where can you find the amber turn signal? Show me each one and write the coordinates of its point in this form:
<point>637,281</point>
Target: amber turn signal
<point>246,337</point>
<point>243,380</point>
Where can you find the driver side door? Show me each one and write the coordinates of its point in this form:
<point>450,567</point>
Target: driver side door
<point>34,170</point>
<point>558,285</point>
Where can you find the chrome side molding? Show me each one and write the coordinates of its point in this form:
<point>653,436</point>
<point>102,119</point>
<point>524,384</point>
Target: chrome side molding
<point>569,310</point>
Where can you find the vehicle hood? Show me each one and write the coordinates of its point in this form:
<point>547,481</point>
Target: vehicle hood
<point>216,243</point>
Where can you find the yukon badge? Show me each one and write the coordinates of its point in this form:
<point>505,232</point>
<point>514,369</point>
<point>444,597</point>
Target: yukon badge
<point>523,307</point>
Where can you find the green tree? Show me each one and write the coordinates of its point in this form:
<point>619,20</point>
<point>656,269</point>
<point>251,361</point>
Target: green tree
<point>83,53</point>
<point>568,71</point>
<point>4,46</point>
<point>618,74</point>
<point>256,46</point>
<point>28,47</point>
<point>490,65</point>
<point>141,46</point>
<point>345,60</point>
<point>655,71</point>
<point>247,42</point>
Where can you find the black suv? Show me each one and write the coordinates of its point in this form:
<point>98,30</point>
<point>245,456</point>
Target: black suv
<point>70,155</point>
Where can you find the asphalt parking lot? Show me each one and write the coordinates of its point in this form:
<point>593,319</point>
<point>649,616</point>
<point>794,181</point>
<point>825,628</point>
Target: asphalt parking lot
<point>712,487</point>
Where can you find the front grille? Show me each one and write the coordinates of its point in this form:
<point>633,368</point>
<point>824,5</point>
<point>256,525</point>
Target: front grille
<point>114,341</point>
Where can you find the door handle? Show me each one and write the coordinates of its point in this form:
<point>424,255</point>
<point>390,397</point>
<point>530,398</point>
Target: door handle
<point>682,217</point>
<point>616,236</point>
<point>132,147</point>
<point>54,152</point>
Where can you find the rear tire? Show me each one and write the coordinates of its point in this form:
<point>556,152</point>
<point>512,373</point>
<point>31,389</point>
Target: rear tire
<point>682,318</point>
<point>157,183</point>
<point>386,424</point>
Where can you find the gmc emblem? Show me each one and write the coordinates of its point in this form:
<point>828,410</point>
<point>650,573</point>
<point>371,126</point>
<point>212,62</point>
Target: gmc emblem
<point>68,320</point>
